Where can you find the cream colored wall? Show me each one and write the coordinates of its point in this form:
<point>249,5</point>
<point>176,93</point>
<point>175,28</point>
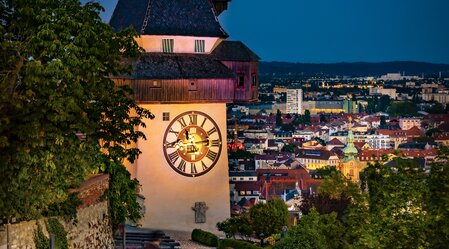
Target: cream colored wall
<point>182,44</point>
<point>171,196</point>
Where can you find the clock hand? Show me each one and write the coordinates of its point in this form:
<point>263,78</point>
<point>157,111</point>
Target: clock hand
<point>173,143</point>
<point>203,142</point>
<point>187,134</point>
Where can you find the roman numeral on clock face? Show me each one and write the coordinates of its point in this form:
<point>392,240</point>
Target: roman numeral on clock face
<point>215,143</point>
<point>204,121</point>
<point>193,169</point>
<point>173,157</point>
<point>204,166</point>
<point>182,122</point>
<point>193,119</point>
<point>182,166</point>
<point>212,131</point>
<point>211,155</point>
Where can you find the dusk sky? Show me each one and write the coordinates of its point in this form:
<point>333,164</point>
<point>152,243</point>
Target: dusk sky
<point>338,30</point>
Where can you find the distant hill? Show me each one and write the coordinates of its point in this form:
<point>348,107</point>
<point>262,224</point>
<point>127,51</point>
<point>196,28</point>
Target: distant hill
<point>354,69</point>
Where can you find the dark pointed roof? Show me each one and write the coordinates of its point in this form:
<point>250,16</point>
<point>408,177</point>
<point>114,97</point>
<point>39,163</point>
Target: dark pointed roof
<point>234,51</point>
<point>168,17</point>
<point>179,66</point>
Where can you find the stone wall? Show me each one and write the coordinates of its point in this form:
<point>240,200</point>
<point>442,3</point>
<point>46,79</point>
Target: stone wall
<point>92,229</point>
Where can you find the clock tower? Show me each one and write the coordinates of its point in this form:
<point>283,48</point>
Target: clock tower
<point>185,77</point>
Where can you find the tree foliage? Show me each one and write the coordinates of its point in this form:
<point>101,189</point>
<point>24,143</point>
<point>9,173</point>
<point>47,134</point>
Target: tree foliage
<point>239,225</point>
<point>279,121</point>
<point>397,206</point>
<point>289,148</point>
<point>403,109</point>
<point>269,218</point>
<point>314,231</point>
<point>62,118</point>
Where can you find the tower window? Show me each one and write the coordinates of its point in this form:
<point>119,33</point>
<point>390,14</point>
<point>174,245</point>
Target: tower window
<point>167,45</point>
<point>254,79</point>
<point>241,80</point>
<point>199,46</point>
<point>193,86</point>
<point>165,116</point>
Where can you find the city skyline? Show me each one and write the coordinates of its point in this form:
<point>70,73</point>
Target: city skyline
<point>328,31</point>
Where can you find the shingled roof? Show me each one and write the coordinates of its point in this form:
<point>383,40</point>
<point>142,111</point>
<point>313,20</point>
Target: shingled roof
<point>179,66</point>
<point>234,51</point>
<point>168,17</point>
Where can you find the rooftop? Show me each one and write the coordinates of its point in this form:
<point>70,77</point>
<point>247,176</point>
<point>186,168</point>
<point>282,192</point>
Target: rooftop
<point>168,17</point>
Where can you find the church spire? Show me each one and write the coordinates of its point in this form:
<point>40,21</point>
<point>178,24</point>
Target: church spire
<point>350,150</point>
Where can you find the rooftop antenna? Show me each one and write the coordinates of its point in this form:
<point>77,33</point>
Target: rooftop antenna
<point>440,75</point>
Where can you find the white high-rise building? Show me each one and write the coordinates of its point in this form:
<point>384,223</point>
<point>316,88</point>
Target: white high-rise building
<point>294,101</point>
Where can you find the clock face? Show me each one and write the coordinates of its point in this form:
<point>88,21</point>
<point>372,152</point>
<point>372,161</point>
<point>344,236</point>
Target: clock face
<point>192,144</point>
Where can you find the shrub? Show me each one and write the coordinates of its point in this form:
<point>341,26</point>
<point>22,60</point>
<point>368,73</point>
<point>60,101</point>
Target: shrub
<point>236,225</point>
<point>204,238</point>
<point>56,228</point>
<point>236,244</point>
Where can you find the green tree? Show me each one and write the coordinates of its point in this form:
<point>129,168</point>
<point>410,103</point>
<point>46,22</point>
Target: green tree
<point>279,122</point>
<point>239,225</point>
<point>289,148</point>
<point>326,171</point>
<point>436,108</point>
<point>383,120</point>
<point>241,154</point>
<point>288,127</point>
<point>269,218</point>
<point>361,109</point>
<point>323,118</point>
<point>437,201</point>
<point>314,231</point>
<point>383,103</point>
<point>62,118</point>
<point>403,109</point>
<point>306,120</point>
<point>393,215</point>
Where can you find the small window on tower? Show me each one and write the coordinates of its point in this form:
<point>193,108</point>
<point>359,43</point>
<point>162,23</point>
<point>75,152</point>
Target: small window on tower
<point>154,83</point>
<point>254,79</point>
<point>165,116</point>
<point>167,45</point>
<point>241,80</point>
<point>193,85</point>
<point>199,46</point>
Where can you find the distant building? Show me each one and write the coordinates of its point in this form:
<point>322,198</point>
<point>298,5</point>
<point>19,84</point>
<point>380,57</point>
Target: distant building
<point>279,89</point>
<point>398,76</point>
<point>316,159</point>
<point>442,98</point>
<point>383,91</point>
<point>323,106</point>
<point>408,123</point>
<point>294,101</point>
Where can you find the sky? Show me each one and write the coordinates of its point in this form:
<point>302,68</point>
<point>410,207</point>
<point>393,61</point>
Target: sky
<point>327,31</point>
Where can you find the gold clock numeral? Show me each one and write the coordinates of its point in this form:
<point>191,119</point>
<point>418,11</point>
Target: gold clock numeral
<point>182,166</point>
<point>215,143</point>
<point>193,119</point>
<point>211,155</point>
<point>173,157</point>
<point>193,169</point>
<point>212,131</point>
<point>182,122</point>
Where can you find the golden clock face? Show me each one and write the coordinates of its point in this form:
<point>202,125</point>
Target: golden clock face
<point>192,144</point>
